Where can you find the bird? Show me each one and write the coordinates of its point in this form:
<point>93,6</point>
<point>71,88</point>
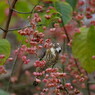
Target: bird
<point>50,56</point>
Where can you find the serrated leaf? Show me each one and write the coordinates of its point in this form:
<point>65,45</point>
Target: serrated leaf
<point>65,10</point>
<point>3,92</point>
<point>83,48</point>
<point>5,49</point>
<point>73,3</point>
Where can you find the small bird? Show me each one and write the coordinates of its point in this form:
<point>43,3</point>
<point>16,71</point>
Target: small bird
<point>50,57</point>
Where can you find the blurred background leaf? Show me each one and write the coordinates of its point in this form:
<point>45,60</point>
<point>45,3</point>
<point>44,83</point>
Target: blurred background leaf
<point>34,2</point>
<point>65,11</point>
<point>83,47</point>
<point>73,3</point>
<point>3,11</point>
<point>20,38</point>
<point>5,49</point>
<point>2,92</point>
<point>24,6</point>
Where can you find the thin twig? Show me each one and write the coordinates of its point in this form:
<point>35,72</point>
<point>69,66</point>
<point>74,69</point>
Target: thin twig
<point>20,11</point>
<point>77,66</point>
<point>2,29</point>
<point>9,18</point>
<point>63,72</point>
<point>65,31</point>
<point>13,69</point>
<point>20,28</point>
<point>88,85</point>
<point>14,29</point>
<point>23,27</point>
<point>66,91</point>
<point>69,41</point>
<point>11,74</point>
<point>33,9</point>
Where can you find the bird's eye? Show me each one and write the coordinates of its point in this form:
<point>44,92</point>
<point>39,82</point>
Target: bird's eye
<point>58,49</point>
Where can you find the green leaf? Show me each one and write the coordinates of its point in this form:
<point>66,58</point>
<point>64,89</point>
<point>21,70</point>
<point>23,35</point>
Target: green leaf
<point>34,1</point>
<point>51,0</point>
<point>3,7</point>
<point>3,92</point>
<point>83,48</point>
<point>5,49</point>
<point>73,3</point>
<point>23,6</point>
<point>20,38</point>
<point>47,22</point>
<point>1,34</point>
<point>65,10</point>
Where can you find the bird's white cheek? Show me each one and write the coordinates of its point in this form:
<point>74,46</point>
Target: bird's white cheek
<point>53,51</point>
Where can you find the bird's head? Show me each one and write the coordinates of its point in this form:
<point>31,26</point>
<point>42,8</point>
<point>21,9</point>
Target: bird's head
<point>57,47</point>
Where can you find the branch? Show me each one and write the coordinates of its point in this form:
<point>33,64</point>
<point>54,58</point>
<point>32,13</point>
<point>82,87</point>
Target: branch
<point>13,67</point>
<point>9,18</point>
<point>2,29</point>
<point>23,27</point>
<point>65,31</point>
<point>77,66</point>
<point>88,85</point>
<point>20,11</point>
<point>24,12</point>
<point>68,39</point>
